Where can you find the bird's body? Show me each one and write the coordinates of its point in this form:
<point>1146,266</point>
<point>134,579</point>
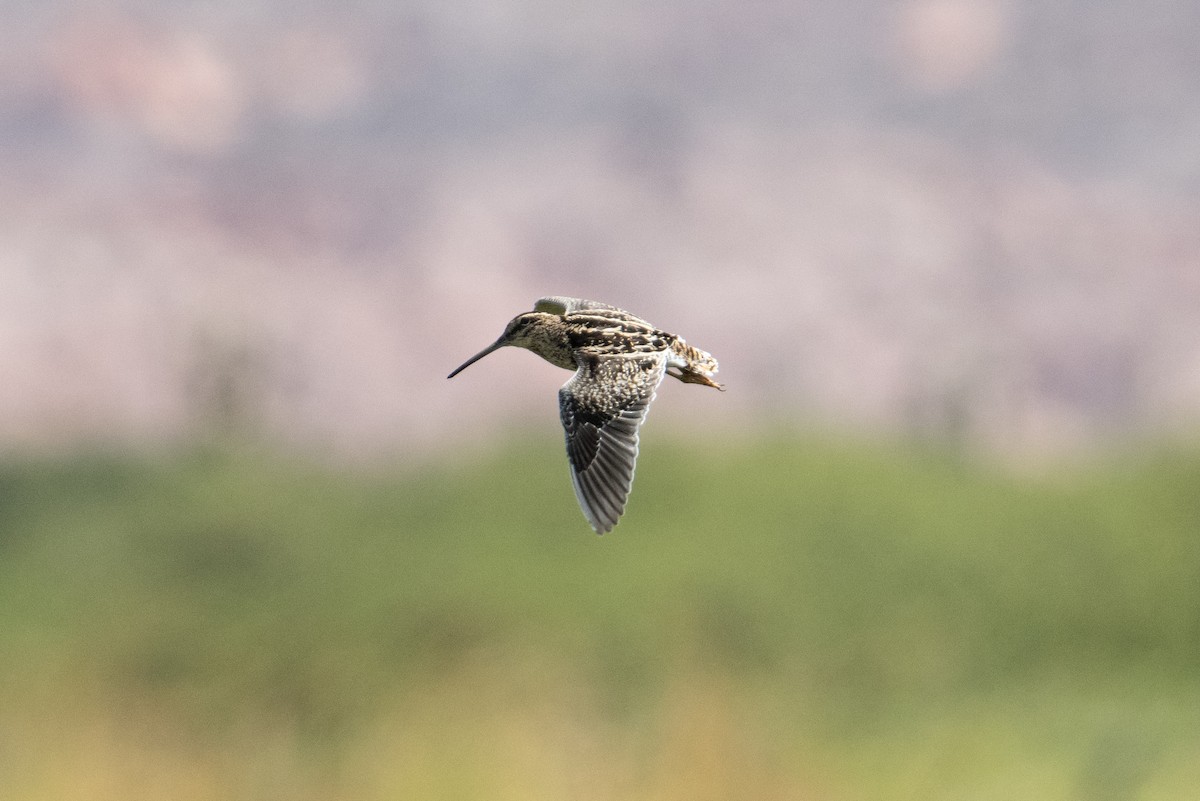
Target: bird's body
<point>619,360</point>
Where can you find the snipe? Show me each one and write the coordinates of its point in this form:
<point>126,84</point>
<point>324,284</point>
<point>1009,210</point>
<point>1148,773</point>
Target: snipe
<point>619,360</point>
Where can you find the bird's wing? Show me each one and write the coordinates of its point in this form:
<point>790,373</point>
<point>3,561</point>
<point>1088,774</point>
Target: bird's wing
<point>558,304</point>
<point>602,407</point>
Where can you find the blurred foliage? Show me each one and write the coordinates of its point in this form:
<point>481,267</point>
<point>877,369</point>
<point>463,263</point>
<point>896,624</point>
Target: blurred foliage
<point>793,617</point>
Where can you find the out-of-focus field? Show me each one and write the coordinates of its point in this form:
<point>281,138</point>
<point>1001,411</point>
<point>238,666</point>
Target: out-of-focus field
<point>774,619</point>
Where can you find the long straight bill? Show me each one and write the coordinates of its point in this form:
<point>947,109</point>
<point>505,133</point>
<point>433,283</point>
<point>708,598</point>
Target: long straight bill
<point>494,346</point>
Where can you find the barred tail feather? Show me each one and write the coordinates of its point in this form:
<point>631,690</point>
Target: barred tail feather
<point>695,366</point>
<point>697,360</point>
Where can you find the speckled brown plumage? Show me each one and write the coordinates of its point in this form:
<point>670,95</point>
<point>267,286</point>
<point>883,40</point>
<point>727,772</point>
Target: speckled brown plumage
<point>619,360</point>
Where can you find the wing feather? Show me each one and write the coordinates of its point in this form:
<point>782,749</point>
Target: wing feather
<point>603,407</point>
<point>557,304</point>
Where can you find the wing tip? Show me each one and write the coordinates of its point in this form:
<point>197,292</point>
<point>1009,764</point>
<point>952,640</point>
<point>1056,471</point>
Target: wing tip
<point>555,304</point>
<point>601,520</point>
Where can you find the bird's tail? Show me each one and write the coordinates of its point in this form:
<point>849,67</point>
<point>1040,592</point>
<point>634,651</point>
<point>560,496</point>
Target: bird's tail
<point>695,366</point>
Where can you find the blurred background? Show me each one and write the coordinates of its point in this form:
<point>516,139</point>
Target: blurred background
<point>938,540</point>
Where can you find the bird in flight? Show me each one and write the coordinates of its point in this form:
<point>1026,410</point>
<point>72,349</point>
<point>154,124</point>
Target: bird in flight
<point>619,360</point>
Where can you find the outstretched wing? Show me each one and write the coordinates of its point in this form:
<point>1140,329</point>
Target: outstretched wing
<point>602,407</point>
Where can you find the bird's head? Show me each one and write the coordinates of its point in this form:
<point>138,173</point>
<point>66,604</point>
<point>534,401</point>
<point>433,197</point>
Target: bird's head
<point>520,332</point>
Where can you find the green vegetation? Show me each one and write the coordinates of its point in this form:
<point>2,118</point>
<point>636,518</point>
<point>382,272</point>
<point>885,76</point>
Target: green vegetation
<point>792,619</point>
